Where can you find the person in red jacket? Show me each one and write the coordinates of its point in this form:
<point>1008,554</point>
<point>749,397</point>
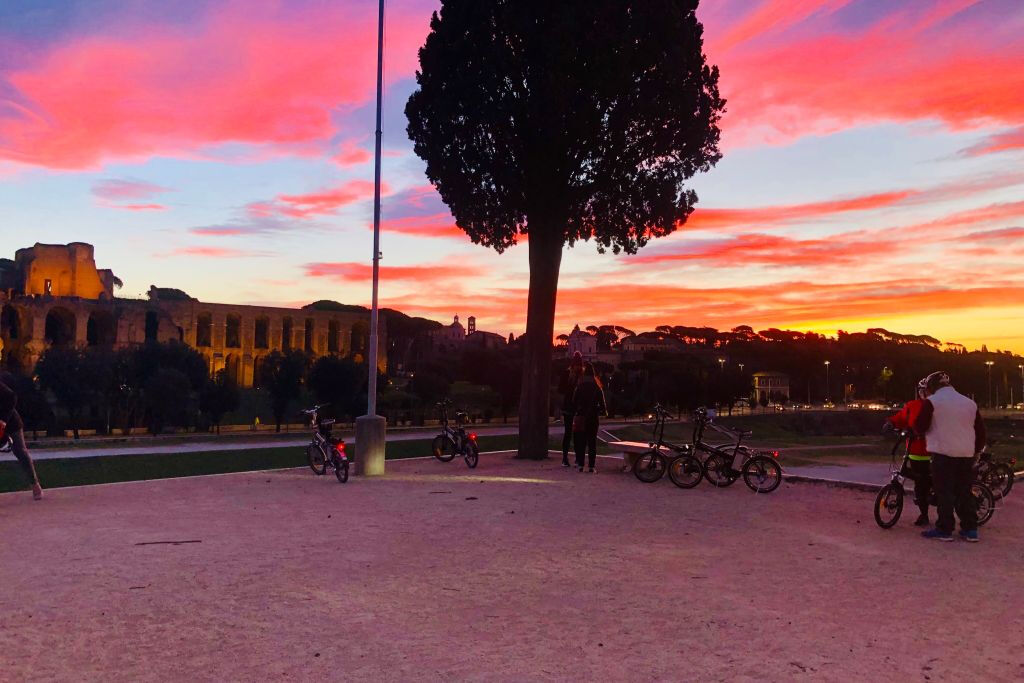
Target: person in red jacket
<point>920,460</point>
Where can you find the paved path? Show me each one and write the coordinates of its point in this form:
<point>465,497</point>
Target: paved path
<point>234,443</point>
<point>516,571</point>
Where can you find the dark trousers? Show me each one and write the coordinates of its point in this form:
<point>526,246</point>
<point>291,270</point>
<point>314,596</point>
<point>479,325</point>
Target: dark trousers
<point>952,479</point>
<point>586,442</point>
<point>567,438</point>
<point>921,470</point>
<point>20,450</point>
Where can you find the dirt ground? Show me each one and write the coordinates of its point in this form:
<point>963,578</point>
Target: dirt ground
<point>516,571</point>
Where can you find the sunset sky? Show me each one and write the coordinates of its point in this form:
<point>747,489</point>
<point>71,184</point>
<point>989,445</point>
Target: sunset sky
<point>873,170</point>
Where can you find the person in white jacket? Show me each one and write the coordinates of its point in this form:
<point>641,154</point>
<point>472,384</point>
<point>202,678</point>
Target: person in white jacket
<point>954,433</point>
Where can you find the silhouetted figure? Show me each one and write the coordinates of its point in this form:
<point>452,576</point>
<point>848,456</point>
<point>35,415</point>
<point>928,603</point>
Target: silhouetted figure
<point>14,428</point>
<point>567,388</point>
<point>588,401</point>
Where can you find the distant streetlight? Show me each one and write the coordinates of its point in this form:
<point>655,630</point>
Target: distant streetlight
<point>1021,368</point>
<point>828,391</point>
<point>721,363</point>
<point>990,363</point>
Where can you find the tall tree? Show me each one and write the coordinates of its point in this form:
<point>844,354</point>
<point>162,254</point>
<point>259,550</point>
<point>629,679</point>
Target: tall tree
<point>281,376</point>
<point>566,122</point>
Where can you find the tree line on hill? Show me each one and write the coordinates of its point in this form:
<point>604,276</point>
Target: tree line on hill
<point>167,386</point>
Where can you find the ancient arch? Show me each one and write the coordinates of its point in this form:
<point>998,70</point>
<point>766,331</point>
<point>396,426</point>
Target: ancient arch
<point>261,333</point>
<point>59,329</point>
<point>360,337</point>
<point>101,329</point>
<point>233,332</point>
<point>11,323</point>
<point>152,326</point>
<point>204,330</point>
<point>333,337</point>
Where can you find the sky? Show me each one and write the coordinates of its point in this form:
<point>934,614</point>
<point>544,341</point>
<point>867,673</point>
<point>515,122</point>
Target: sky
<point>871,176</point>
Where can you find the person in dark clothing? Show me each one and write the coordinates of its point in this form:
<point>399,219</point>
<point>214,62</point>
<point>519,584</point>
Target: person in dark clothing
<point>955,434</point>
<point>588,401</point>
<point>567,387</point>
<point>14,428</point>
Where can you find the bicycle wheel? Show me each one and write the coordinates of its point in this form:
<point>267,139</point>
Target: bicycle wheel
<point>472,455</point>
<point>443,448</point>
<point>717,471</point>
<point>685,471</point>
<point>650,467</point>
<point>762,474</point>
<point>341,469</point>
<point>984,501</point>
<point>889,505</point>
<point>999,480</point>
<point>317,458</point>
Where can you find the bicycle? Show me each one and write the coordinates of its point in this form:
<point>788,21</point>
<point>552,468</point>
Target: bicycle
<point>455,441</point>
<point>684,469</point>
<point>998,476</point>
<point>889,501</point>
<point>759,469</point>
<point>323,450</point>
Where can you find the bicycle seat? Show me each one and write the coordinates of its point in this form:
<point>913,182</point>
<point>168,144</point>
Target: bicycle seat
<point>741,432</point>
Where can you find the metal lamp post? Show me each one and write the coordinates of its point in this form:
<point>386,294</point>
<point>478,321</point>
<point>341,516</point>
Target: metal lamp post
<point>828,387</point>
<point>1021,368</point>
<point>371,429</point>
<point>990,363</point>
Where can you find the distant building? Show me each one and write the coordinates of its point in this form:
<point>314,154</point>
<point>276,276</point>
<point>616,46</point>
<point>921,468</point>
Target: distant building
<point>583,342</point>
<point>54,295</point>
<point>770,386</point>
<point>454,337</point>
<point>634,348</point>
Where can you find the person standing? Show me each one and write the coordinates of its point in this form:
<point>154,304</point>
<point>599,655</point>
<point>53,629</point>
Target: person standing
<point>589,405</point>
<point>567,388</point>
<point>954,432</point>
<point>917,448</point>
<point>11,422</point>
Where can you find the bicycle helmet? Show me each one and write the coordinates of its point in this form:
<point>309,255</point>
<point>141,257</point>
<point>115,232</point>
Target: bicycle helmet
<point>935,381</point>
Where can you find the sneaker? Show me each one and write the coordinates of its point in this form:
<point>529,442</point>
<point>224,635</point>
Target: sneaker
<point>937,535</point>
<point>581,468</point>
<point>37,492</point>
<point>922,520</point>
<point>592,470</point>
<point>565,463</point>
<point>970,536</point>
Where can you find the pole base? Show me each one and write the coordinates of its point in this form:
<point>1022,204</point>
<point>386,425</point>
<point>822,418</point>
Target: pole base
<point>371,432</point>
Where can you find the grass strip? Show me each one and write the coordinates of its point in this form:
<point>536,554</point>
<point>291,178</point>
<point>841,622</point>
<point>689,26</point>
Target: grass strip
<point>106,469</point>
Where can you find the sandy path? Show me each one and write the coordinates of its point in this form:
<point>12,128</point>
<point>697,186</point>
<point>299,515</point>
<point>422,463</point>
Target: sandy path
<point>519,571</point>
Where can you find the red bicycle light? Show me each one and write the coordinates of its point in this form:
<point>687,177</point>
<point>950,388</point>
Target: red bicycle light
<point>472,437</point>
<point>341,446</point>
<point>775,454</point>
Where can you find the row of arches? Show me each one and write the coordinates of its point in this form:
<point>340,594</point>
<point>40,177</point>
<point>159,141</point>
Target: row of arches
<point>60,327</point>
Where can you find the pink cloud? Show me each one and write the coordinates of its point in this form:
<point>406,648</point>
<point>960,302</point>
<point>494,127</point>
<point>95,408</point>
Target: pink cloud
<point>215,252</point>
<point>351,154</point>
<point>821,76</point>
<point>999,142</point>
<point>247,72</point>
<point>325,201</point>
<point>117,189</point>
<point>362,272</point>
<point>138,207</point>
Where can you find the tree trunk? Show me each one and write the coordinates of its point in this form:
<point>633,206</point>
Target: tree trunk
<point>545,261</point>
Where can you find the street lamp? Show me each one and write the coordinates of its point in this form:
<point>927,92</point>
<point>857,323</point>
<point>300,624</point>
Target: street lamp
<point>1021,368</point>
<point>371,429</point>
<point>721,364</point>
<point>828,394</point>
<point>990,363</point>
